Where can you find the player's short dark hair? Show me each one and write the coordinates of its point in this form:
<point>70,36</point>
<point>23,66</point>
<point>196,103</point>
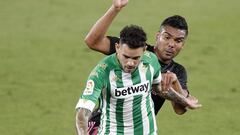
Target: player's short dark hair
<point>134,36</point>
<point>176,21</point>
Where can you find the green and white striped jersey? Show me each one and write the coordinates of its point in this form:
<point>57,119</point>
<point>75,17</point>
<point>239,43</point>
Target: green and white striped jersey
<point>125,98</point>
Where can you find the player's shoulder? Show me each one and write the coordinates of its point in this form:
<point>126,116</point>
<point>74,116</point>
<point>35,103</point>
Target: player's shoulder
<point>149,57</point>
<point>178,68</point>
<point>100,70</point>
<point>106,63</point>
<point>178,65</point>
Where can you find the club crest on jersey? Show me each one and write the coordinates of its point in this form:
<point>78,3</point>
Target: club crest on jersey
<point>89,88</point>
<point>144,68</point>
<point>103,65</point>
<point>138,89</point>
<point>94,73</point>
<point>115,78</point>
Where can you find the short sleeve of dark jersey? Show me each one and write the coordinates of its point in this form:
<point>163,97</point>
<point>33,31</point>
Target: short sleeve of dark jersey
<point>113,40</point>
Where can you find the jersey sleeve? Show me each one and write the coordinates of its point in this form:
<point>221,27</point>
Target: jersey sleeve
<point>157,76</point>
<point>93,89</point>
<point>157,69</point>
<point>112,40</point>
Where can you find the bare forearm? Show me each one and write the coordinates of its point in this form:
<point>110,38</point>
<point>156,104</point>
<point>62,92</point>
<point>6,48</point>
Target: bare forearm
<point>82,121</point>
<point>174,96</point>
<point>177,86</point>
<point>81,127</point>
<point>178,98</point>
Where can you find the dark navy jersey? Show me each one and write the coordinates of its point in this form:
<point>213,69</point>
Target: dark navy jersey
<point>174,67</point>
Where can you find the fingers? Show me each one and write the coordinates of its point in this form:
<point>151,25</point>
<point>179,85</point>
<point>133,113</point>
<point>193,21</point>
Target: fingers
<point>194,106</point>
<point>193,100</point>
<point>164,82</point>
<point>167,79</point>
<point>192,97</point>
<point>193,103</point>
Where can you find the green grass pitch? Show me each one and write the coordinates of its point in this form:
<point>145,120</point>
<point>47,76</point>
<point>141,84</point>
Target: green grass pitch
<point>44,62</point>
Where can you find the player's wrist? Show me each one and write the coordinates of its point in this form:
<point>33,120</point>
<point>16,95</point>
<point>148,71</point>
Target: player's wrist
<point>116,8</point>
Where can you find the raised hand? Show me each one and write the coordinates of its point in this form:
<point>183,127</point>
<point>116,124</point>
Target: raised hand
<point>119,4</point>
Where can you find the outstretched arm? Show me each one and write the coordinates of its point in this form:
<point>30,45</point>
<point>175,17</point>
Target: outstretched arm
<point>82,117</point>
<point>178,108</point>
<point>174,96</point>
<point>96,38</point>
<point>170,79</point>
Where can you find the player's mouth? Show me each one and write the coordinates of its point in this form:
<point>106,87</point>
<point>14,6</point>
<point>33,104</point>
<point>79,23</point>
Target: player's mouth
<point>169,52</point>
<point>129,69</point>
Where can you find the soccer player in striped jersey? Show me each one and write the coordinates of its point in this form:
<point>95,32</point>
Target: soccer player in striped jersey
<point>123,82</point>
<point>170,39</point>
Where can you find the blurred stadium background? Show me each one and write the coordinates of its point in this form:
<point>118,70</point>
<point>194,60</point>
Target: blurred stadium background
<point>44,62</point>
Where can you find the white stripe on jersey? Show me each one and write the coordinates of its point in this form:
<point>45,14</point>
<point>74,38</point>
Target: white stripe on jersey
<point>113,124</point>
<point>128,103</point>
<point>142,73</point>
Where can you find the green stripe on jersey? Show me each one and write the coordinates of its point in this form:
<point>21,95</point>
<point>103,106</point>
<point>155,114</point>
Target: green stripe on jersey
<point>119,105</point>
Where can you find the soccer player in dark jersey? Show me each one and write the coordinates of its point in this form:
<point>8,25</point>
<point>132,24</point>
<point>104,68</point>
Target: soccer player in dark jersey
<point>123,82</point>
<point>170,40</point>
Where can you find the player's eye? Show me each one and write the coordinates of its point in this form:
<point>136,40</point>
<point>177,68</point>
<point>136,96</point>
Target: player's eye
<point>179,40</point>
<point>166,37</point>
<point>136,58</point>
<point>126,57</point>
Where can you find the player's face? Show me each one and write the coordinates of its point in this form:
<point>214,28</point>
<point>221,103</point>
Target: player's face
<point>169,42</point>
<point>129,58</point>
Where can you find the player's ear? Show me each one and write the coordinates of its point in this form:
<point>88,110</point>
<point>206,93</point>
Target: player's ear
<point>117,47</point>
<point>144,48</point>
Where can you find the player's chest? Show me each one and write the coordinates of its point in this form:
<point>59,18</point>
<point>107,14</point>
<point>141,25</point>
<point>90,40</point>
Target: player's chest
<point>124,85</point>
